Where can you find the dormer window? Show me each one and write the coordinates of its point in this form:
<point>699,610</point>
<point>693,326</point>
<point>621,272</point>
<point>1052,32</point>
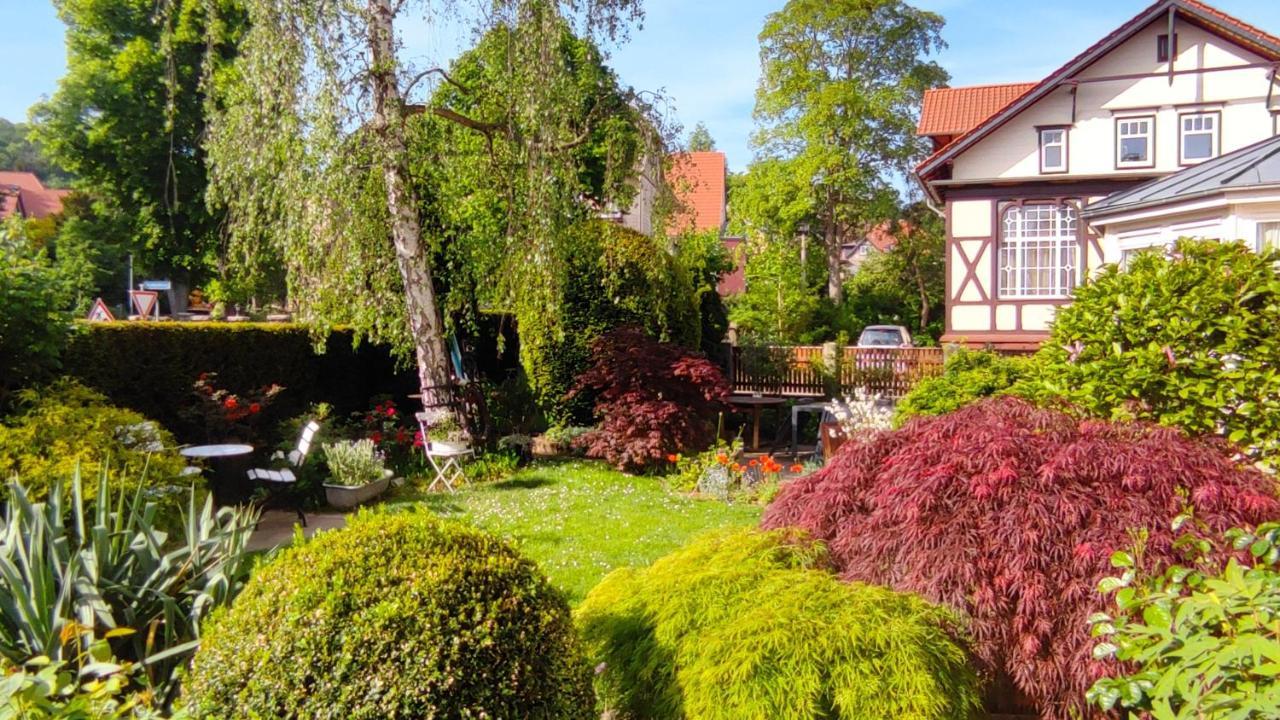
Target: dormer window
<point>1053,150</point>
<point>1134,142</point>
<point>1162,48</point>
<point>1199,137</point>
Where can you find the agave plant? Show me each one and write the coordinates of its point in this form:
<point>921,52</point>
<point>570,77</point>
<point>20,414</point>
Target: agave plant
<point>72,573</point>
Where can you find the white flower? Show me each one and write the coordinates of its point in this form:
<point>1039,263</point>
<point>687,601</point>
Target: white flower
<point>862,413</point>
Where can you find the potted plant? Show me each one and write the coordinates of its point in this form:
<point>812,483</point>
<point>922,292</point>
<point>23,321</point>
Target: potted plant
<point>447,434</point>
<point>357,473</point>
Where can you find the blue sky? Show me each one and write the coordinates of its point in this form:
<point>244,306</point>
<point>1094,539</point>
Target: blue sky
<point>702,53</point>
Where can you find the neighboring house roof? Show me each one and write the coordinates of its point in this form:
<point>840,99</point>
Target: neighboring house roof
<point>698,181</point>
<point>1249,168</point>
<point>24,194</point>
<point>1246,35</point>
<point>955,111</point>
<point>881,239</point>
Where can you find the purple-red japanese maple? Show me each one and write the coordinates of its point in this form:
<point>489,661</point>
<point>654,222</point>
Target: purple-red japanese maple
<point>653,399</point>
<point>1010,513</point>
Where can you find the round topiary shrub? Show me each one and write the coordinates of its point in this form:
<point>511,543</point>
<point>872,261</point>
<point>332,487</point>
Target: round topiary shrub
<point>750,624</point>
<point>1010,513</point>
<point>396,616</point>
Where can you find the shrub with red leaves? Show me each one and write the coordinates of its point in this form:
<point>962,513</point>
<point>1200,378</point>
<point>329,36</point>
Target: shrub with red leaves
<point>654,399</point>
<point>1010,513</point>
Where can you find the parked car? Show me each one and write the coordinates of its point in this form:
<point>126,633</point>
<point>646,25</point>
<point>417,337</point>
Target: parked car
<point>884,336</point>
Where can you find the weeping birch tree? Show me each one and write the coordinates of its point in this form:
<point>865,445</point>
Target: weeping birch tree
<point>310,156</point>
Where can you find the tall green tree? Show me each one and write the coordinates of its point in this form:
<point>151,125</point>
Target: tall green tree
<point>700,139</point>
<point>19,152</point>
<point>311,148</point>
<point>906,284</point>
<point>840,89</point>
<point>127,120</point>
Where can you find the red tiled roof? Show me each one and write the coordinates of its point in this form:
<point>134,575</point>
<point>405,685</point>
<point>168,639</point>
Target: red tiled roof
<point>955,111</point>
<point>1195,10</point>
<point>883,240</point>
<point>1230,21</point>
<point>23,192</point>
<point>698,181</point>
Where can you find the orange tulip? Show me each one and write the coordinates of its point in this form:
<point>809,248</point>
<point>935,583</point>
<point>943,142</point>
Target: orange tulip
<point>722,459</point>
<point>754,463</point>
<point>737,467</point>
<point>797,468</point>
<point>673,458</point>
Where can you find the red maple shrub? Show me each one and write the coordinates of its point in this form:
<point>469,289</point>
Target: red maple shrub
<point>1010,513</point>
<point>653,399</point>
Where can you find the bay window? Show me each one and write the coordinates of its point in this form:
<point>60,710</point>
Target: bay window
<point>1039,251</point>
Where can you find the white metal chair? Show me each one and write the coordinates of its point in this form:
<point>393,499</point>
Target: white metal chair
<point>279,480</point>
<point>443,458</point>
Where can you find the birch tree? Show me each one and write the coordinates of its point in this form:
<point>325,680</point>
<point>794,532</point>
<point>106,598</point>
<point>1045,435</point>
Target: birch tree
<point>309,151</point>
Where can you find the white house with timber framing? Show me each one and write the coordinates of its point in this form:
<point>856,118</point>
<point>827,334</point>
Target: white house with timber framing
<point>1015,168</point>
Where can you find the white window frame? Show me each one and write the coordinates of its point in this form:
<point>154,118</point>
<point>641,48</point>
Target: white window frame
<point>1150,136</point>
<point>1215,134</point>
<point>1061,143</point>
<point>1030,234</point>
<point>1260,230</point>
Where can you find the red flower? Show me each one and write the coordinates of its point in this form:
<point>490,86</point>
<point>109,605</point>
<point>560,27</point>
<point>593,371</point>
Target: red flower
<point>391,411</point>
<point>673,458</point>
<point>255,408</point>
<point>417,439</point>
<point>722,458</point>
<point>402,436</point>
<point>797,468</point>
<point>231,403</point>
<point>753,463</point>
<point>376,437</point>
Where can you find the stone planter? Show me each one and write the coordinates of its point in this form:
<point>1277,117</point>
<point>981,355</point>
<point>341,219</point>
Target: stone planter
<point>345,497</point>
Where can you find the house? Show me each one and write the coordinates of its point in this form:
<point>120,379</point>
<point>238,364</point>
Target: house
<point>1232,197</point>
<point>23,194</point>
<point>700,183</point>
<point>1023,172</point>
<point>878,240</point>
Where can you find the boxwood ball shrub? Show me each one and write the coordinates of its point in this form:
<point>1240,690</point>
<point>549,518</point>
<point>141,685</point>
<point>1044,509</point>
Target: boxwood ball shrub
<point>751,624</point>
<point>395,616</point>
<point>1010,513</point>
<point>1186,338</point>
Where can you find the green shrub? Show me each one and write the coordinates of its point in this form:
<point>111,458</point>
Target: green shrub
<point>53,690</point>
<point>751,624</point>
<point>398,615</point>
<point>152,367</point>
<point>616,277</point>
<point>33,321</point>
<point>1185,338</point>
<point>968,376</point>
<point>1201,644</point>
<point>66,426</point>
<point>74,574</point>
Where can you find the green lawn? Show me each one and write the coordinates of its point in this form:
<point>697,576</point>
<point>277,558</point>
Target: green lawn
<point>580,520</point>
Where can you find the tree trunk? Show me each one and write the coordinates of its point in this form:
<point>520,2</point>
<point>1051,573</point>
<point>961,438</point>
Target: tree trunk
<point>835,268</point>
<point>406,233</point>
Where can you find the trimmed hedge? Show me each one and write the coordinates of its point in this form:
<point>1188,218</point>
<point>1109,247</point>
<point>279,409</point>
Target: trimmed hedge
<point>151,367</point>
<point>751,624</point>
<point>396,616</point>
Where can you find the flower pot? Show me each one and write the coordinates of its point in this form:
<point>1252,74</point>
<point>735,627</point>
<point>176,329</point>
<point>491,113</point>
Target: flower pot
<point>450,445</point>
<point>345,497</point>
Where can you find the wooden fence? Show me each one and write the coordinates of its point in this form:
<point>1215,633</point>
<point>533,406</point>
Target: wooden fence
<point>821,371</point>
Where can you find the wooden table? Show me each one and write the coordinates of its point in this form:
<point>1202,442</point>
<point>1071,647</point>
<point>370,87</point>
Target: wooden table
<point>754,404</point>
<point>228,482</point>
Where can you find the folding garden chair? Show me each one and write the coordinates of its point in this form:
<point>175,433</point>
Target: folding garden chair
<point>444,458</point>
<point>280,481</point>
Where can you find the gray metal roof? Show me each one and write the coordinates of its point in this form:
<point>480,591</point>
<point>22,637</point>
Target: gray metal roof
<point>1255,166</point>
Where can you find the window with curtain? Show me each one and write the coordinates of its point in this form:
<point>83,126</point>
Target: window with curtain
<point>1268,236</point>
<point>1039,251</point>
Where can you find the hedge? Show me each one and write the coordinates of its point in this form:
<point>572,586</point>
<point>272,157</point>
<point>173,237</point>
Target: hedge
<point>151,367</point>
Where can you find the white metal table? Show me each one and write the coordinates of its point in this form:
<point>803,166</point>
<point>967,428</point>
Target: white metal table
<point>224,477</point>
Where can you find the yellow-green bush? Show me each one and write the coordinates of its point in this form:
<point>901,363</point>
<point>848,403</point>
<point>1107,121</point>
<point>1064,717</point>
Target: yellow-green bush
<point>751,624</point>
<point>396,616</point>
<point>64,426</point>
